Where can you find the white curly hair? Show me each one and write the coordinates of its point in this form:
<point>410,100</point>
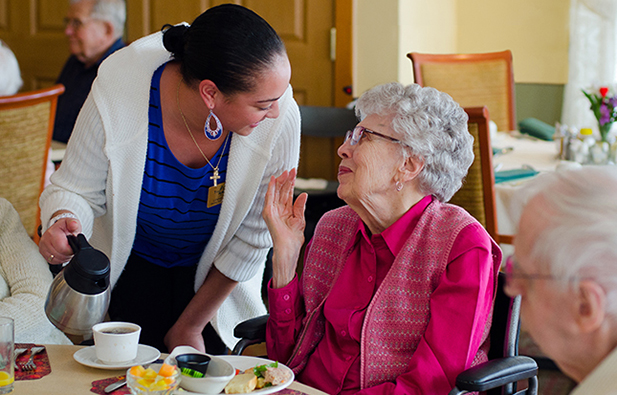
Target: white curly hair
<point>432,128</point>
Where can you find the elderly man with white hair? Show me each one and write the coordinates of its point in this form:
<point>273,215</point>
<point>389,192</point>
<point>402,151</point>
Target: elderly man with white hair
<point>94,29</point>
<point>565,269</point>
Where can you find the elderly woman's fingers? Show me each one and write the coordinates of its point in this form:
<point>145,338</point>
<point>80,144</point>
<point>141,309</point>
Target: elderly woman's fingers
<point>300,206</point>
<point>270,192</point>
<point>287,191</point>
<point>274,189</point>
<point>285,220</point>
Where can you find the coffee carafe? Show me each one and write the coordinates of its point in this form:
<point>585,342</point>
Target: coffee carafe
<point>79,295</point>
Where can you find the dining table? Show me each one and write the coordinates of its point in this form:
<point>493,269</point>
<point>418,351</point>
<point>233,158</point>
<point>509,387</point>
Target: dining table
<point>520,152</point>
<point>67,376</point>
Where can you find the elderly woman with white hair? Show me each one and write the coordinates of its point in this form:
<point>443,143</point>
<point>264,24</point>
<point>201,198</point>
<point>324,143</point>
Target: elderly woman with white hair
<point>398,286</point>
<point>565,269</point>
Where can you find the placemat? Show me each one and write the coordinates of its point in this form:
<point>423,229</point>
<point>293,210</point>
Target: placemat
<point>41,360</point>
<point>98,386</point>
<point>288,391</point>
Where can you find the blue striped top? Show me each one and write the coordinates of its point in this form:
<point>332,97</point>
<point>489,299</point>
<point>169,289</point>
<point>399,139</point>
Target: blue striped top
<point>174,223</point>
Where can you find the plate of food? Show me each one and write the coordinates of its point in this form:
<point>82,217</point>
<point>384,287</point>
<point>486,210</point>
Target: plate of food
<point>257,376</point>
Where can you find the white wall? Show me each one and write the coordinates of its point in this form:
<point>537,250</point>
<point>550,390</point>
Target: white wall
<point>536,31</point>
<point>376,36</point>
<point>426,26</point>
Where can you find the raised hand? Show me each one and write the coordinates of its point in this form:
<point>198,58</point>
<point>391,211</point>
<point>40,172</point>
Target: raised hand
<point>285,220</point>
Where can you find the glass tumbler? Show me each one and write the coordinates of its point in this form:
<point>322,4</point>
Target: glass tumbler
<point>7,357</point>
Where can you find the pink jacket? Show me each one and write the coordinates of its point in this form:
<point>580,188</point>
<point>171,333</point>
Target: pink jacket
<point>399,312</point>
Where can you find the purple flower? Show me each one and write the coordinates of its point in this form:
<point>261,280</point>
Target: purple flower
<point>613,101</point>
<point>605,114</point>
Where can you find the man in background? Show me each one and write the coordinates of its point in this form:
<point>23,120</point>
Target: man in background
<point>565,269</point>
<point>94,29</point>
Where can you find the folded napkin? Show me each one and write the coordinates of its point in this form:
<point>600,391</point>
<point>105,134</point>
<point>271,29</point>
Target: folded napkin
<point>98,386</point>
<point>43,368</point>
<point>536,128</point>
<point>514,174</point>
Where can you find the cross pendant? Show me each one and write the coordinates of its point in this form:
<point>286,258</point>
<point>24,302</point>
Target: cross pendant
<point>215,176</point>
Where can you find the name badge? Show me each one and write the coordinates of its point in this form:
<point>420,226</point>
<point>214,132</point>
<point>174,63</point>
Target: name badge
<point>215,195</point>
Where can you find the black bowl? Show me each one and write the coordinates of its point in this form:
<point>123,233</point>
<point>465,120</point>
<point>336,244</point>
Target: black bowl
<point>197,362</point>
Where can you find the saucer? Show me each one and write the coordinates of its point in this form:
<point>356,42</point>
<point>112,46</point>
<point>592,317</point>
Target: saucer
<point>145,354</point>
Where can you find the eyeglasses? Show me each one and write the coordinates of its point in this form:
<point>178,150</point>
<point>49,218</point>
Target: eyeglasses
<point>75,23</point>
<point>512,272</point>
<point>355,135</point>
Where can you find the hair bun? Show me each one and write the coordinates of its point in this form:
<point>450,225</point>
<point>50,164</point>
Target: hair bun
<point>173,39</point>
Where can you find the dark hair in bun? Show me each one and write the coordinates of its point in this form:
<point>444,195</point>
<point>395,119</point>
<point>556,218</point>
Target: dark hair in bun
<point>229,45</point>
<point>173,39</point>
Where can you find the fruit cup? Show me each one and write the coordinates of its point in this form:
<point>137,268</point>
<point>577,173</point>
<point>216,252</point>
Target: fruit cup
<point>157,379</point>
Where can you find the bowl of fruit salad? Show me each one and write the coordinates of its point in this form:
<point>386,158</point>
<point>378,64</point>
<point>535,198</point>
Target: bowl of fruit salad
<point>156,379</point>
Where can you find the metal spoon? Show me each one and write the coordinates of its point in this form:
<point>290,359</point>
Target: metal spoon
<point>114,386</point>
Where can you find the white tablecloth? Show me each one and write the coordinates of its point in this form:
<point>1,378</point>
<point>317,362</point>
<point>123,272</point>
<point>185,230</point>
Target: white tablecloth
<point>540,155</point>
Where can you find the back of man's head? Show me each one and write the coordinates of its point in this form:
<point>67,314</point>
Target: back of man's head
<point>577,213</point>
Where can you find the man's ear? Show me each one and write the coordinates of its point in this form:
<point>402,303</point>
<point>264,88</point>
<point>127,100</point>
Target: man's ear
<point>411,168</point>
<point>590,305</point>
<point>109,30</point>
<point>208,92</point>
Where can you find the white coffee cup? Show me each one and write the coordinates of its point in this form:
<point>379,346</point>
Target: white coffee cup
<point>116,342</point>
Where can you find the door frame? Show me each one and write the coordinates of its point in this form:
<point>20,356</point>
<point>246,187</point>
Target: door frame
<point>343,66</point>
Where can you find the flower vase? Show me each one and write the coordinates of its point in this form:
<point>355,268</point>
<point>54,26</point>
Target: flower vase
<point>599,153</point>
<point>604,130</point>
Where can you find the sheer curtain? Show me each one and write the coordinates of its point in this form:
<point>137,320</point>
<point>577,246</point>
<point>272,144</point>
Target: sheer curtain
<point>592,57</point>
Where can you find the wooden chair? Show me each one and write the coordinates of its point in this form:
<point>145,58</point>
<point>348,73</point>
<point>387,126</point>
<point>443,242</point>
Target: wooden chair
<point>477,195</point>
<point>473,80</point>
<point>26,126</point>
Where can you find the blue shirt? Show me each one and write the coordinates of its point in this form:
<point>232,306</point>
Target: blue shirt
<point>174,223</point>
<point>77,81</point>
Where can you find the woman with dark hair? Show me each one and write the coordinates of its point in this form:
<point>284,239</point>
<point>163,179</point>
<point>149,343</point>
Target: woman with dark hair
<point>167,170</point>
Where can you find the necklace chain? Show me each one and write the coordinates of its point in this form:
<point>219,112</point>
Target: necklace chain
<point>215,176</point>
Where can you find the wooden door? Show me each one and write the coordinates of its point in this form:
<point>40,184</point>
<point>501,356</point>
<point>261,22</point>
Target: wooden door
<point>304,26</point>
<point>34,31</point>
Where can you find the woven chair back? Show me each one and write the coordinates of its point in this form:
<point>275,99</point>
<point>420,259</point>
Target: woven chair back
<point>473,80</point>
<point>477,195</point>
<point>471,194</point>
<point>26,125</point>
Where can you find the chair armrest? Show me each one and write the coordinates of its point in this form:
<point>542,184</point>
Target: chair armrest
<point>253,329</point>
<point>496,373</point>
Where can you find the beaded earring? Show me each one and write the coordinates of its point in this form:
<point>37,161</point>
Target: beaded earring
<point>213,134</point>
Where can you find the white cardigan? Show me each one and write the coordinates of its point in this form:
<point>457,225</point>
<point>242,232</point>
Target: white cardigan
<point>101,176</point>
<point>24,281</point>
